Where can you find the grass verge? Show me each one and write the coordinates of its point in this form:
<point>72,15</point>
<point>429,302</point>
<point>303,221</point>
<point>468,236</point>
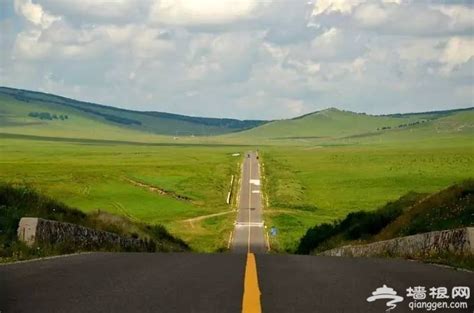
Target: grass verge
<point>20,201</point>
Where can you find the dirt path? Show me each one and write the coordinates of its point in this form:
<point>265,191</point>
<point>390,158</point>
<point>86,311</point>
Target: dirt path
<point>203,217</point>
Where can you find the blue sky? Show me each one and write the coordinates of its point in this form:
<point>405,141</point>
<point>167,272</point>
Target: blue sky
<point>243,58</point>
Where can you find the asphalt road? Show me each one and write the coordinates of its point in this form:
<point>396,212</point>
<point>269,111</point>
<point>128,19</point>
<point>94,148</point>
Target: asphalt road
<point>140,282</point>
<point>121,282</point>
<point>249,232</point>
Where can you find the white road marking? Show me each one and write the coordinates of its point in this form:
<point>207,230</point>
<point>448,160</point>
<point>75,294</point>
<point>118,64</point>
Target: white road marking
<point>45,258</point>
<point>249,224</point>
<point>230,239</point>
<point>255,182</point>
<point>268,240</point>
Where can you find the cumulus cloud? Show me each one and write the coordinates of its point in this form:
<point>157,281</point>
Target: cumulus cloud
<point>398,19</point>
<point>396,16</point>
<point>99,11</point>
<point>457,51</point>
<point>244,58</point>
<point>34,13</point>
<point>344,6</point>
<point>329,6</point>
<point>202,12</point>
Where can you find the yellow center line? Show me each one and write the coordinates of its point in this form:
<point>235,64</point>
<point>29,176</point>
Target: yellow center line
<point>251,300</point>
<point>250,202</point>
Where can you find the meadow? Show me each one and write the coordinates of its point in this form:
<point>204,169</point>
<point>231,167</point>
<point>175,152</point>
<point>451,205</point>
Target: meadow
<point>160,184</point>
<point>150,167</point>
<point>177,184</point>
<point>310,185</point>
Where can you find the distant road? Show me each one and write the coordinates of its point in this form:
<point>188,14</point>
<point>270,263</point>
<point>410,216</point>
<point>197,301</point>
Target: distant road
<point>249,232</point>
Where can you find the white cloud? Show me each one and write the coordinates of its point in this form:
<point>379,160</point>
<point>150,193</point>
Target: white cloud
<point>203,12</point>
<point>461,17</point>
<point>420,50</point>
<point>458,51</point>
<point>399,19</point>
<point>371,15</point>
<point>396,16</point>
<point>34,13</point>
<point>328,44</point>
<point>27,46</point>
<point>147,44</point>
<point>63,41</point>
<point>341,6</point>
<point>99,11</point>
<point>244,58</point>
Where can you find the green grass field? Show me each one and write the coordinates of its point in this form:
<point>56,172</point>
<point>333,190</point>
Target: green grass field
<point>91,176</point>
<point>318,167</point>
<point>307,186</point>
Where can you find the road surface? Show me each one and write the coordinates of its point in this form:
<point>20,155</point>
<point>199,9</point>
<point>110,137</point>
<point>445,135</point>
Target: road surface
<point>249,232</point>
<point>186,282</point>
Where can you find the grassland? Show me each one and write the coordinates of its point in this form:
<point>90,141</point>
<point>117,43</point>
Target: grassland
<point>16,105</point>
<point>322,166</point>
<point>173,184</point>
<point>308,185</point>
<point>318,167</point>
<point>20,201</point>
<point>414,213</point>
<point>154,184</point>
<point>326,124</point>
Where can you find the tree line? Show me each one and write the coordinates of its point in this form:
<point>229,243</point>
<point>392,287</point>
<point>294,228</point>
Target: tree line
<point>48,116</point>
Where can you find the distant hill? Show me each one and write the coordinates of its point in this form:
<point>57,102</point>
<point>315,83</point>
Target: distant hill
<point>333,123</point>
<point>43,112</point>
<point>40,114</point>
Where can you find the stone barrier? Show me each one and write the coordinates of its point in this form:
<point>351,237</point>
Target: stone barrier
<point>457,241</point>
<point>38,231</point>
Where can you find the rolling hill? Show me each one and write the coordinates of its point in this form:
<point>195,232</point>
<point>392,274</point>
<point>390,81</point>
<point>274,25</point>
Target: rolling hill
<point>333,123</point>
<point>39,113</point>
<point>32,113</point>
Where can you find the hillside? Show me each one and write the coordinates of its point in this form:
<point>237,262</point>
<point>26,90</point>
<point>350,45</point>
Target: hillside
<point>20,201</point>
<point>29,112</point>
<point>336,124</point>
<point>412,214</point>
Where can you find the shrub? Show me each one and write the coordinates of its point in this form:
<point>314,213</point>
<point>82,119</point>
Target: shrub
<point>315,236</point>
<point>355,226</point>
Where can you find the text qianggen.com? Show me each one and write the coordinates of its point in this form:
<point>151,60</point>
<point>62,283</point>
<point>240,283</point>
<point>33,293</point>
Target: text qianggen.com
<point>433,306</point>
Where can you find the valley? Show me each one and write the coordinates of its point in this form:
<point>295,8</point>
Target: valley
<point>317,168</point>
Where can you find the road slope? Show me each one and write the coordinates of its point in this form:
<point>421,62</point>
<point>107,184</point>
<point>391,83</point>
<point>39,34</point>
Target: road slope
<point>184,282</point>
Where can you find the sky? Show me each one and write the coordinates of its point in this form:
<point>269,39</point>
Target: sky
<point>247,59</point>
